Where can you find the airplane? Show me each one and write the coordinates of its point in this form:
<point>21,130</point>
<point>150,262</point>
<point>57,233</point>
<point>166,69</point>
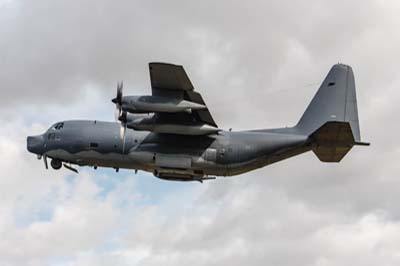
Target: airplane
<point>172,134</point>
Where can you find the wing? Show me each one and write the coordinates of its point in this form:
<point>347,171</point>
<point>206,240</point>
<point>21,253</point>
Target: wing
<point>168,77</point>
<point>171,81</point>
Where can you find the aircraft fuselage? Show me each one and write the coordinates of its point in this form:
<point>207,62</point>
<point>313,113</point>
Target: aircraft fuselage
<point>177,157</point>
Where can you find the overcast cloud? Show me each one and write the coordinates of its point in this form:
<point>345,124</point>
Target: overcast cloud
<point>257,64</point>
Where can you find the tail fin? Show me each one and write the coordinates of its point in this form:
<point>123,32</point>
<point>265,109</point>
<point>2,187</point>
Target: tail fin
<point>331,118</point>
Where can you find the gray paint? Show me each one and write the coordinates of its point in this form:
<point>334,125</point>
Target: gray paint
<point>329,127</point>
<point>334,101</point>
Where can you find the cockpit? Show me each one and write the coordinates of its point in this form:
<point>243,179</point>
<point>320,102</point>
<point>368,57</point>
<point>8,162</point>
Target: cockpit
<point>58,126</point>
<point>53,131</point>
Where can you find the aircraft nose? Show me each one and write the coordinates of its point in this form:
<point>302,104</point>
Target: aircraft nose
<point>35,144</point>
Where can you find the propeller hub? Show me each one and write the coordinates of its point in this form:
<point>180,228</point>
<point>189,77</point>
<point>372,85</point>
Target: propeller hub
<point>123,117</point>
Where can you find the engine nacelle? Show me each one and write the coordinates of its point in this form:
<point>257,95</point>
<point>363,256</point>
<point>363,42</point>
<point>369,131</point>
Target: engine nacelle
<point>137,118</point>
<point>148,124</point>
<point>157,104</point>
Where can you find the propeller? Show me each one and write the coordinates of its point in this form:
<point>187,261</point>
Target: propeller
<point>118,100</point>
<point>120,115</point>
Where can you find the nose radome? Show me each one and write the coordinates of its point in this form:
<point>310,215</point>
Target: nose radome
<point>34,143</point>
<point>29,142</point>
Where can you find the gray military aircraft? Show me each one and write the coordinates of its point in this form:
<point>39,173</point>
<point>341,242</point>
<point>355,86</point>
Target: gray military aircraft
<point>172,134</point>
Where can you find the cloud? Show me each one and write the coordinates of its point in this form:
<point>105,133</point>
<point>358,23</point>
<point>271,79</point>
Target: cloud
<point>256,226</point>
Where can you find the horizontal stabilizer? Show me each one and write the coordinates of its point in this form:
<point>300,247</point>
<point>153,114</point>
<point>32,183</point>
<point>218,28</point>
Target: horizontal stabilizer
<point>332,141</point>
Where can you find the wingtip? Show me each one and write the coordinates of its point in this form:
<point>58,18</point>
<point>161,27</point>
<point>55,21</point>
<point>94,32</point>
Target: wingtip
<point>164,64</point>
<point>341,65</point>
<point>361,143</point>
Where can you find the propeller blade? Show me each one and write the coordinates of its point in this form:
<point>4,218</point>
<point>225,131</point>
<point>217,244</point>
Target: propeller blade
<point>117,112</point>
<point>118,99</point>
<point>119,91</point>
<point>122,131</point>
<point>122,135</point>
<point>45,161</point>
<point>123,145</point>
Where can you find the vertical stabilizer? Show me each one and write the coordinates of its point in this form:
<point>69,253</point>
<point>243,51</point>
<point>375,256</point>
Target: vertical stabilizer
<point>331,119</point>
<point>335,101</point>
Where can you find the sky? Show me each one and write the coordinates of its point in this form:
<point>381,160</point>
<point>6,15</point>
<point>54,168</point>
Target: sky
<point>257,64</point>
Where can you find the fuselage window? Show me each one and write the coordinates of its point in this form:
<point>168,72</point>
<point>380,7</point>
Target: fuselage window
<point>94,145</point>
<point>222,152</point>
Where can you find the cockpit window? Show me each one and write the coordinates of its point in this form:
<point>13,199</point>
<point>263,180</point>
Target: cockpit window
<point>58,126</point>
<point>51,136</point>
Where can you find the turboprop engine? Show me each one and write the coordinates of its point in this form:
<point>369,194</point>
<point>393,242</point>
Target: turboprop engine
<point>140,113</point>
<point>152,104</point>
<point>148,122</point>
